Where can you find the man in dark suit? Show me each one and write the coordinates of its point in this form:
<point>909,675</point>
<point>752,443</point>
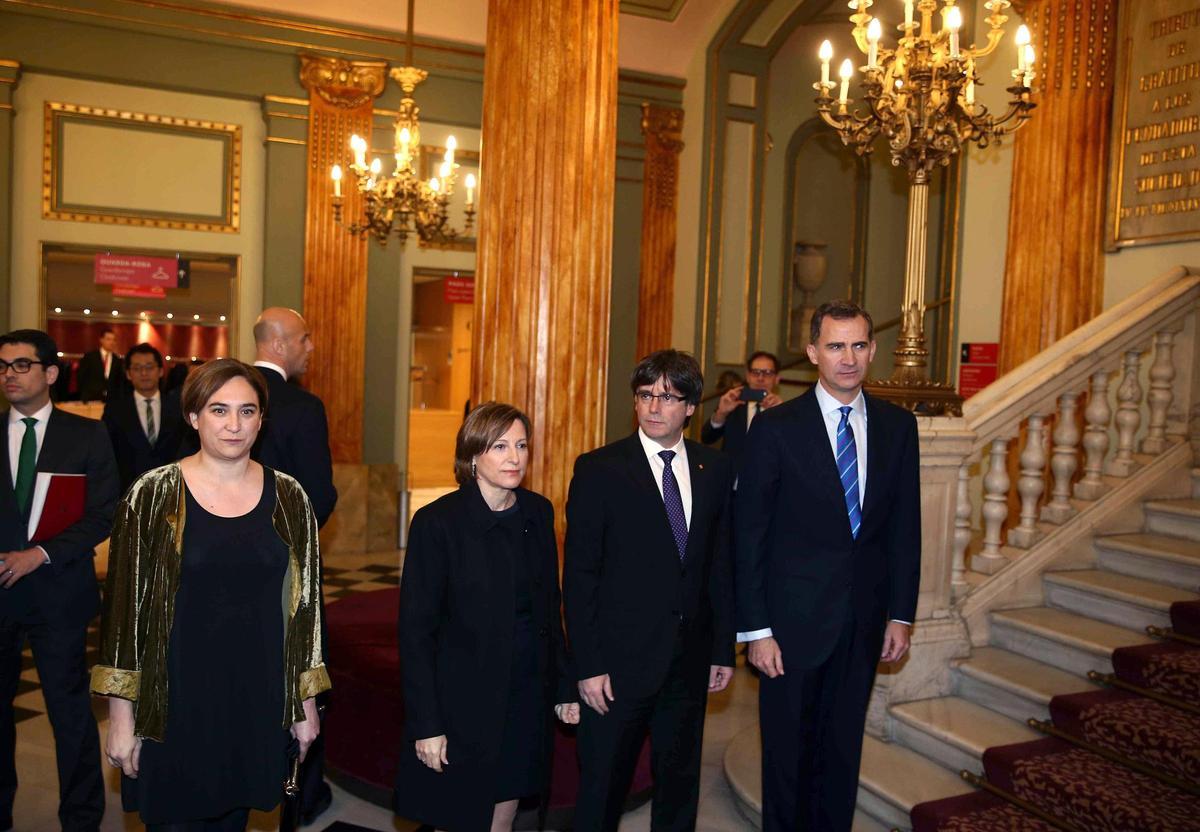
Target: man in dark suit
<point>101,371</point>
<point>295,436</point>
<point>733,416</point>
<point>295,440</point>
<point>48,586</point>
<point>826,580</point>
<point>144,425</point>
<point>647,594</point>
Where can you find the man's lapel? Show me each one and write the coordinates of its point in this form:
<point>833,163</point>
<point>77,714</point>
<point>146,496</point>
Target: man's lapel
<point>6,479</point>
<point>701,492</point>
<point>643,475</point>
<point>815,445</point>
<point>877,453</point>
<point>50,457</point>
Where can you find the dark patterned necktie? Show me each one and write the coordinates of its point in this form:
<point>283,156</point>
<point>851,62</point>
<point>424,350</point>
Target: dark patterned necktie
<point>847,462</point>
<point>26,465</point>
<point>673,500</point>
<point>151,429</point>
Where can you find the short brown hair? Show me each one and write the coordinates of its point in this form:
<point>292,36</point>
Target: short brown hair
<point>483,426</point>
<point>839,310</point>
<point>203,383</point>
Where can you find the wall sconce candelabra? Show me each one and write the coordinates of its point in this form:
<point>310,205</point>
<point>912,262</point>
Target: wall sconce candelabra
<point>920,96</point>
<point>401,203</point>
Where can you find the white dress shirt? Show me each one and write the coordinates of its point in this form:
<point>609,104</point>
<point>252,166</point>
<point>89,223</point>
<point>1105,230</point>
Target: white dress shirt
<point>106,361</point>
<point>679,465</point>
<point>268,365</point>
<point>155,405</point>
<point>832,414</point>
<point>16,435</point>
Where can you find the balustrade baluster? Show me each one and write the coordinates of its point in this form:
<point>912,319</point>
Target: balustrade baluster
<point>1095,438</point>
<point>995,510</point>
<point>1128,418</point>
<point>1063,461</point>
<point>1162,373</point>
<point>1030,484</point>
<point>962,532</point>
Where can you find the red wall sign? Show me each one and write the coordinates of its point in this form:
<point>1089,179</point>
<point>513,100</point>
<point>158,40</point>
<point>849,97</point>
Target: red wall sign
<point>136,270</point>
<point>458,290</point>
<point>977,367</point>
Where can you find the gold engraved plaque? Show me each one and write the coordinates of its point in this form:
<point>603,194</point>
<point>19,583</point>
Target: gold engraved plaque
<point>1154,178</point>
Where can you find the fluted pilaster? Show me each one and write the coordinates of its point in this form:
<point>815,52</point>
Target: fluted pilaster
<point>662,128</point>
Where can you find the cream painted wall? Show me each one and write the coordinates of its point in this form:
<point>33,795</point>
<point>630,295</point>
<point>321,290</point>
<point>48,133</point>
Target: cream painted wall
<point>692,170</point>
<point>29,229</point>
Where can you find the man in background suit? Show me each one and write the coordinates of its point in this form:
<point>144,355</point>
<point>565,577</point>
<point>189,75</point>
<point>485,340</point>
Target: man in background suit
<point>826,580</point>
<point>144,425</point>
<point>295,440</point>
<point>733,416</point>
<point>48,587</point>
<point>647,595</point>
<point>101,371</point>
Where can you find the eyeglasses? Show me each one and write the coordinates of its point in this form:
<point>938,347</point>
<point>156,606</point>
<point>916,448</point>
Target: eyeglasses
<point>645,397</point>
<point>760,373</point>
<point>21,366</point>
<point>143,368</point>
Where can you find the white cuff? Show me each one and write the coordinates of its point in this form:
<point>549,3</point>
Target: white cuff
<point>45,554</point>
<point>898,621</point>
<point>754,635</point>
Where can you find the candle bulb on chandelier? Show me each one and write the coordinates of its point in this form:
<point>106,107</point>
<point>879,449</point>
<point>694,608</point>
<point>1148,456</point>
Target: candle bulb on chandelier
<point>451,146</point>
<point>1030,60</point>
<point>470,183</point>
<point>846,73</point>
<point>908,14</point>
<point>336,173</point>
<point>970,95</point>
<point>874,33</point>
<point>953,24</point>
<point>445,169</point>
<point>1022,40</point>
<point>825,53</point>
<point>435,185</point>
<point>360,151</point>
<point>376,166</point>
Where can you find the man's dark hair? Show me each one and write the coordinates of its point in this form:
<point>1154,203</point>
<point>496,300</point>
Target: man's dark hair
<point>146,349</point>
<point>679,369</point>
<point>839,310</point>
<point>108,330</point>
<point>43,344</point>
<point>754,356</point>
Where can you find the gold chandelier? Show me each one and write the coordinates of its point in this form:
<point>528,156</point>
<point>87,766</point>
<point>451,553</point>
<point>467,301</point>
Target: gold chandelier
<point>401,203</point>
<point>920,97</point>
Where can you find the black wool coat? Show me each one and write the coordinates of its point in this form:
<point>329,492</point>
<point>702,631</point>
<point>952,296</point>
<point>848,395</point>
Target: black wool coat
<point>457,613</point>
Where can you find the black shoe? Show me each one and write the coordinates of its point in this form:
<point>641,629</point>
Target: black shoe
<point>318,806</point>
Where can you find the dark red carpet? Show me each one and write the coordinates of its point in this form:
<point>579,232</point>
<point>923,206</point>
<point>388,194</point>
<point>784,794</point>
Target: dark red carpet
<point>1168,667</point>
<point>1185,618</point>
<point>364,723</point>
<point>975,812</point>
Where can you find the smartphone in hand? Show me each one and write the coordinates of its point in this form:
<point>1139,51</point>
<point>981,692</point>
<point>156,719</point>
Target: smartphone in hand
<point>749,395</point>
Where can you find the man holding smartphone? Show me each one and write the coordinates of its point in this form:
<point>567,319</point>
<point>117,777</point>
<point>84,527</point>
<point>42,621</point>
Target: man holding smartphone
<point>738,407</point>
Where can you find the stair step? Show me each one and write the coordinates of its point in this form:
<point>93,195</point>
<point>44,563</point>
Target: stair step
<point>1196,483</point>
<point>1177,518</point>
<point>954,732</point>
<point>1118,599</point>
<point>1155,557</point>
<point>893,779</point>
<point>1012,684</point>
<point>1061,639</point>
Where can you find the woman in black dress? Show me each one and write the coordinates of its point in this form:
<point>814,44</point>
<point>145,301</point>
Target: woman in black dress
<point>482,652</point>
<point>209,675</point>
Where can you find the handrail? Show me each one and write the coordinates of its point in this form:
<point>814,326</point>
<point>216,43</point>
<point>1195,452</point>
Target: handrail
<point>1003,405</point>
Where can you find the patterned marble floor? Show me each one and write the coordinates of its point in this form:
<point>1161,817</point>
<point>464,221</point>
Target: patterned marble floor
<point>37,797</point>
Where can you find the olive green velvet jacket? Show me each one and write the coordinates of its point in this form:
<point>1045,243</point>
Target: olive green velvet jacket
<point>144,557</point>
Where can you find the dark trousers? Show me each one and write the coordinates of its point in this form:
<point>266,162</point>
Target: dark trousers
<point>58,652</point>
<point>609,746</point>
<point>812,732</point>
<point>235,821</point>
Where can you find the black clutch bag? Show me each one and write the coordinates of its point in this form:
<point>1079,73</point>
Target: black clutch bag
<point>289,809</point>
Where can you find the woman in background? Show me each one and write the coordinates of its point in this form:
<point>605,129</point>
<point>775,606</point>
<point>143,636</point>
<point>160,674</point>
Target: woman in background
<point>206,671</point>
<point>482,652</point>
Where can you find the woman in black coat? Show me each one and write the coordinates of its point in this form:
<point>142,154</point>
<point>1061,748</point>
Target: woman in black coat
<point>482,652</point>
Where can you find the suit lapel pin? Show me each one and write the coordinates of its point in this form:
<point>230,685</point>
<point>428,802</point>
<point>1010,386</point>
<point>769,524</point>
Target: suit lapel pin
<point>700,465</point>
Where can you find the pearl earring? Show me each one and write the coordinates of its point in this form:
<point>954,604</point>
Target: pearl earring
<point>473,474</point>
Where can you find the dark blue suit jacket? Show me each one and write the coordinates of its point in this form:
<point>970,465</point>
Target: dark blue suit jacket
<point>134,453</point>
<point>798,569</point>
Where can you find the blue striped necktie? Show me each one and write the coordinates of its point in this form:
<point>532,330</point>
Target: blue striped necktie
<point>847,463</point>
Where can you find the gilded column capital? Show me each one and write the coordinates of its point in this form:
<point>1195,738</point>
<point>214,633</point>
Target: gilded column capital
<point>663,126</point>
<point>341,83</point>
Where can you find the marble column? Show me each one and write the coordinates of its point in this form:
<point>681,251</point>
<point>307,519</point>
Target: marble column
<point>545,225</point>
<point>661,127</point>
<point>341,95</point>
<point>1054,273</point>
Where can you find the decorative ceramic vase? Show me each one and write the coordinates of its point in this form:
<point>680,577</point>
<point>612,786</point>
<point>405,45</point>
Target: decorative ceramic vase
<point>809,269</point>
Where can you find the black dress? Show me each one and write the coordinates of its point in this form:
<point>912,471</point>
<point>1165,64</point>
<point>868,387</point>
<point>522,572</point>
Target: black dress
<point>519,766</point>
<point>224,747</point>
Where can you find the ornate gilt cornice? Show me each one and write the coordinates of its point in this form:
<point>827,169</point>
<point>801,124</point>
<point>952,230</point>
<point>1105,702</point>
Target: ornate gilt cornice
<point>341,83</point>
<point>663,127</point>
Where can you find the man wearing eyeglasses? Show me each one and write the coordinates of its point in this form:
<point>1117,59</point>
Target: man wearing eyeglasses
<point>144,425</point>
<point>738,407</point>
<point>648,596</point>
<point>48,586</point>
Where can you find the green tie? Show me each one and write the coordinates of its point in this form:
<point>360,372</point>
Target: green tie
<point>26,463</point>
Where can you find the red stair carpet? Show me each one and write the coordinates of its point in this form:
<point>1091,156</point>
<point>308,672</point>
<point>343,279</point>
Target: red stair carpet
<point>364,723</point>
